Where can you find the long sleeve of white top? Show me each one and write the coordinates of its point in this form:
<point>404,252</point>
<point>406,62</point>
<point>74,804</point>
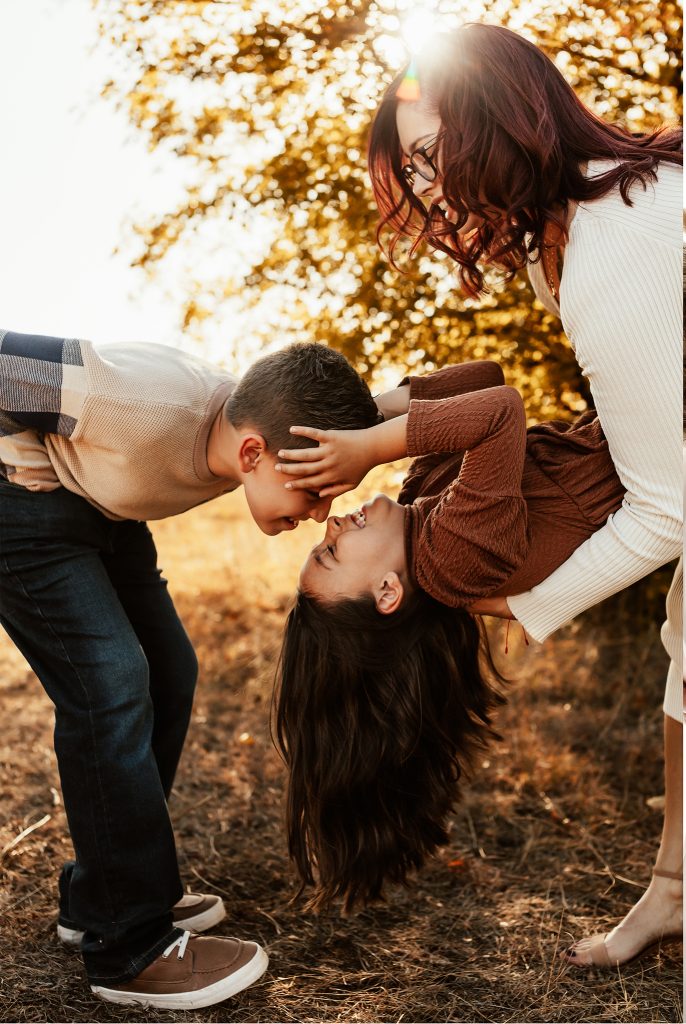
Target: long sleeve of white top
<point>621,309</point>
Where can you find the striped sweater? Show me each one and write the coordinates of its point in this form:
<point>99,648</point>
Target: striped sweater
<point>124,426</point>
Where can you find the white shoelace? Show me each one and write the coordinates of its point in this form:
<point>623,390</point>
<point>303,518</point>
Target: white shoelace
<point>181,942</point>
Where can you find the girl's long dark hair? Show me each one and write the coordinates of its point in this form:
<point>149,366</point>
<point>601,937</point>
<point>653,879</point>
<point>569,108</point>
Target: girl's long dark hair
<point>513,142</point>
<point>377,718</point>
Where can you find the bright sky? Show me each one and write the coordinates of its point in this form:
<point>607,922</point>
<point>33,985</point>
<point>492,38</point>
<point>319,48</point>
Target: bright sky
<point>75,174</point>
<point>72,173</point>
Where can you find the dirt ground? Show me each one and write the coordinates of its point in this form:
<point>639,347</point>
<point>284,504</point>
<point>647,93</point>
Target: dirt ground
<point>555,836</point>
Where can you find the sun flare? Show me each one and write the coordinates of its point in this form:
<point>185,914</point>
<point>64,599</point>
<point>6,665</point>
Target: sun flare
<point>417,27</point>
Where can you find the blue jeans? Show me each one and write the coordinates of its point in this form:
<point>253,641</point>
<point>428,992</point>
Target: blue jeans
<point>82,598</point>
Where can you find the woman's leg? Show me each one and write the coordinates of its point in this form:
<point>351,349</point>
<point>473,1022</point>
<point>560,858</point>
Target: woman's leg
<point>658,913</point>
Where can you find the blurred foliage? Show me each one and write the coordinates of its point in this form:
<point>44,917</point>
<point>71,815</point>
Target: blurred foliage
<point>268,104</point>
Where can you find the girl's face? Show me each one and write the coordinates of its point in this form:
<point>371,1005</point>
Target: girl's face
<point>358,552</point>
<point>417,126</point>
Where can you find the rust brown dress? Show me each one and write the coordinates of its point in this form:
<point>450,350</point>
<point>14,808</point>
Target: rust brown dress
<point>494,508</point>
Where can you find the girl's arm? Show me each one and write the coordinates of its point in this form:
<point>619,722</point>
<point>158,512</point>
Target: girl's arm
<point>444,383</point>
<point>476,536</point>
<point>461,379</point>
<point>42,381</point>
<point>343,458</point>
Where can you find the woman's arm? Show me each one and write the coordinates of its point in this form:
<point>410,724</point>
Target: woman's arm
<point>622,311</point>
<point>394,403</point>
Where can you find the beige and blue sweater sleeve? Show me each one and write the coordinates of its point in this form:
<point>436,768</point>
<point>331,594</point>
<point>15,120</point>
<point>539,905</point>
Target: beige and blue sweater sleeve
<point>621,308</point>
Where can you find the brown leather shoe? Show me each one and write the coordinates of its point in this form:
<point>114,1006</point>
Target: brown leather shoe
<point>195,911</point>
<point>194,971</point>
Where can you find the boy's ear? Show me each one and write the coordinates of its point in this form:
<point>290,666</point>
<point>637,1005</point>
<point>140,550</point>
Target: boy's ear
<point>389,594</point>
<point>251,449</point>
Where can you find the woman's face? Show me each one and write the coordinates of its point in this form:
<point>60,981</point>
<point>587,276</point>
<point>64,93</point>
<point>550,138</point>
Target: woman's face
<point>417,126</point>
<point>357,552</point>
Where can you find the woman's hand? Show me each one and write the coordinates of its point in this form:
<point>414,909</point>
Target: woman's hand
<point>496,606</point>
<point>341,461</point>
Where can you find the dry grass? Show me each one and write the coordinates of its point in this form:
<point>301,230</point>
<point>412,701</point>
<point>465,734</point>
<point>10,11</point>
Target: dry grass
<point>553,838</point>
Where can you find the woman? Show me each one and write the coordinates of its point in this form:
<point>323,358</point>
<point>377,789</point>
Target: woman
<point>497,161</point>
<point>386,682</point>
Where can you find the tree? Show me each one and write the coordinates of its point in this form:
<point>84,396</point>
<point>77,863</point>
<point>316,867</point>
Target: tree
<point>268,104</point>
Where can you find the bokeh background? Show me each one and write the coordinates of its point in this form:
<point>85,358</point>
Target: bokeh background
<point>193,173</point>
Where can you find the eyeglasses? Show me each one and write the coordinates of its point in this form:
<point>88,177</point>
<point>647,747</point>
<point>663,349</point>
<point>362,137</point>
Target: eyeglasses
<point>421,163</point>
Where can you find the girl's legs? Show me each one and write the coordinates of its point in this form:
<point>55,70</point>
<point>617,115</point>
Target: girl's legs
<point>659,911</point>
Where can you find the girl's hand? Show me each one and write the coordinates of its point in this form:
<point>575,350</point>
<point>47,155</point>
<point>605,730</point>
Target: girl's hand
<point>338,465</point>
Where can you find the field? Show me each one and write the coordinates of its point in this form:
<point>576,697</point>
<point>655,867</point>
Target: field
<point>555,836</point>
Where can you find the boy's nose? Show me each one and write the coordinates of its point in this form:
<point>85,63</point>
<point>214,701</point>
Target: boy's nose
<point>320,511</point>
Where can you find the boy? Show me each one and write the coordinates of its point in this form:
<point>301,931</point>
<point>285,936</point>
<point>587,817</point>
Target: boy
<point>93,442</point>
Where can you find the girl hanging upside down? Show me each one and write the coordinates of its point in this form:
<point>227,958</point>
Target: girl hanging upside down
<point>386,685</point>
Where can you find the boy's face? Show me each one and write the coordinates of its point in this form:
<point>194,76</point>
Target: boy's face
<point>275,509</point>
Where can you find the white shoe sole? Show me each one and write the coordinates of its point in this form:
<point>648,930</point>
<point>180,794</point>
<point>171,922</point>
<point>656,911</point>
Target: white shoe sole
<point>69,936</point>
<point>216,993</point>
<point>197,923</point>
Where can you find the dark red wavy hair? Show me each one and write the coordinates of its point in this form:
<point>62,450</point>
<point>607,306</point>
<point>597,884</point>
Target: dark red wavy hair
<point>514,140</point>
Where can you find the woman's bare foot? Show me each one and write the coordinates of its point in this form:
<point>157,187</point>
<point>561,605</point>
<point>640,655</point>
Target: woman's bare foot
<point>657,915</point>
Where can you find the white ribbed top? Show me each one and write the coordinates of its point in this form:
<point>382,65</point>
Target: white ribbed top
<point>621,308</point>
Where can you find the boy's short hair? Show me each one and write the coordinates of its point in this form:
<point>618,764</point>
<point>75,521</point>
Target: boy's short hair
<point>304,384</point>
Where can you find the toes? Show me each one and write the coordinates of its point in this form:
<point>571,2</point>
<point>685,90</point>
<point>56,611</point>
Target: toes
<point>577,954</point>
